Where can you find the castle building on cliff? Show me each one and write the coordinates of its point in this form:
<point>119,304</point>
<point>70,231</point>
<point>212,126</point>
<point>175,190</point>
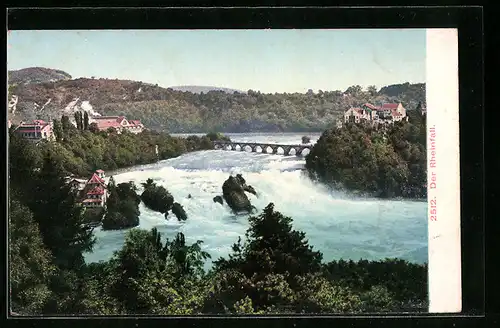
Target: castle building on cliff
<point>384,114</point>
<point>92,192</point>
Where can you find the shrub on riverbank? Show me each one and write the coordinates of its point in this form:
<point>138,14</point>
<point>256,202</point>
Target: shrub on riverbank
<point>217,136</point>
<point>122,206</point>
<point>385,162</point>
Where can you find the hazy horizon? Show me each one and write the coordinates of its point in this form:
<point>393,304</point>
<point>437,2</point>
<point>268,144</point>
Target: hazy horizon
<point>269,61</point>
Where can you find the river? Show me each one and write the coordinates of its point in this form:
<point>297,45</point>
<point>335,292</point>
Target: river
<point>338,225</point>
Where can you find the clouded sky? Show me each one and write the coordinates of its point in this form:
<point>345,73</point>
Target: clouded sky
<point>265,60</point>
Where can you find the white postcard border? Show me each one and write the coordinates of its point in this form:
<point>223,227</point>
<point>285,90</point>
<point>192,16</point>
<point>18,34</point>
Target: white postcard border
<point>443,171</point>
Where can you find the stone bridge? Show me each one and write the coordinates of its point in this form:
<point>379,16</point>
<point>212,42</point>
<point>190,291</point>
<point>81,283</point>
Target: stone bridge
<point>253,147</point>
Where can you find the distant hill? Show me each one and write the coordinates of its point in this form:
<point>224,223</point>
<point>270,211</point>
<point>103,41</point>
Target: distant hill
<point>36,75</point>
<point>186,111</point>
<point>405,90</point>
<point>204,89</point>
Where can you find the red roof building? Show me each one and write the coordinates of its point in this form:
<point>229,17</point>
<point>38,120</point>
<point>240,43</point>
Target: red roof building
<point>386,113</point>
<point>106,122</point>
<point>372,107</point>
<point>36,130</point>
<point>119,123</point>
<point>389,106</point>
<point>95,191</point>
<point>95,179</point>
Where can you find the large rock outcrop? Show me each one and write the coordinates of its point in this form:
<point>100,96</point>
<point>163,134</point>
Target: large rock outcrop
<point>179,212</point>
<point>218,199</point>
<point>156,198</point>
<point>233,191</point>
<point>122,207</point>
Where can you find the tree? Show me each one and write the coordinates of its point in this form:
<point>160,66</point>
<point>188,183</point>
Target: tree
<point>78,120</point>
<point>152,274</point>
<point>372,90</point>
<point>93,127</point>
<point>86,120</point>
<point>149,183</point>
<point>66,124</point>
<point>30,262</point>
<point>122,206</point>
<point>354,90</point>
<point>318,295</point>
<point>24,160</point>
<point>58,131</point>
<point>60,219</point>
<point>188,260</point>
<point>378,299</point>
<point>272,246</point>
<point>217,136</point>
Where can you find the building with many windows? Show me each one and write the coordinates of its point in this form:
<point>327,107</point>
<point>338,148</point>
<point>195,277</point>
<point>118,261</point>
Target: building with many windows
<point>386,113</point>
<point>94,193</point>
<point>36,130</point>
<point>119,123</point>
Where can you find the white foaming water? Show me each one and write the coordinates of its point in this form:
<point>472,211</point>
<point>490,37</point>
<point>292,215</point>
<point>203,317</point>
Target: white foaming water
<point>337,225</point>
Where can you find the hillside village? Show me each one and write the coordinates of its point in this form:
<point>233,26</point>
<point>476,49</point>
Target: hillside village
<point>384,114</point>
<point>38,130</point>
<point>184,111</point>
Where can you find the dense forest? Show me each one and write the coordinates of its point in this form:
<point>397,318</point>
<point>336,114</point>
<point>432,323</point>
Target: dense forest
<point>383,162</point>
<point>165,109</point>
<point>273,270</point>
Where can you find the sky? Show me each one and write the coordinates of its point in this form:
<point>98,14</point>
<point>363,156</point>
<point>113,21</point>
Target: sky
<point>288,60</point>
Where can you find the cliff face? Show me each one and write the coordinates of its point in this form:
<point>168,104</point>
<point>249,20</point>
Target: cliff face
<point>184,111</point>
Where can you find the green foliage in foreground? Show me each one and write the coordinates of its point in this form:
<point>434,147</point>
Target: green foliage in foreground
<point>274,271</point>
<point>385,162</point>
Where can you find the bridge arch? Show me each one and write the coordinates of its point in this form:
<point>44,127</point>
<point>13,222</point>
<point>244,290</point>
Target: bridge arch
<point>286,150</point>
<point>257,149</point>
<point>299,151</point>
<point>268,149</point>
<point>306,151</point>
